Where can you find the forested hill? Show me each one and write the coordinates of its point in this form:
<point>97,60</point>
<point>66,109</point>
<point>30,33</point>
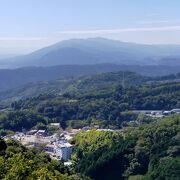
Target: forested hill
<point>147,153</point>
<point>83,84</point>
<point>14,78</point>
<point>110,106</point>
<point>107,80</point>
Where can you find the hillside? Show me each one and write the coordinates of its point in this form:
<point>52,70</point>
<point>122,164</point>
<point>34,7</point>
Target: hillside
<point>11,79</point>
<point>148,152</point>
<point>83,84</point>
<point>98,97</point>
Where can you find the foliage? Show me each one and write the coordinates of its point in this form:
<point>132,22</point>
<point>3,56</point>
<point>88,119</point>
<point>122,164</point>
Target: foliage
<point>20,119</point>
<point>100,97</point>
<point>20,163</point>
<point>149,152</point>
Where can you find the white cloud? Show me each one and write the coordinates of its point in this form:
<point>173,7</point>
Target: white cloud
<point>121,30</point>
<point>154,22</point>
<point>159,22</point>
<point>21,38</point>
<point>153,14</point>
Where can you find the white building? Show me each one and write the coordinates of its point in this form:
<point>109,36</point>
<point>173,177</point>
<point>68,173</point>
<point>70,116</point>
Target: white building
<point>175,111</point>
<point>64,151</point>
<point>55,124</point>
<point>167,113</point>
<point>41,133</point>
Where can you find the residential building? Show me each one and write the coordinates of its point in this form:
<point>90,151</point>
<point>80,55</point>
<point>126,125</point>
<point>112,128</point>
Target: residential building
<point>41,133</point>
<point>64,151</point>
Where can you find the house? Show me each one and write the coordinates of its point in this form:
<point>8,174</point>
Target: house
<point>86,128</point>
<point>55,124</point>
<point>50,148</point>
<point>167,113</point>
<point>156,112</point>
<point>31,132</point>
<point>41,133</point>
<point>148,112</point>
<point>175,111</point>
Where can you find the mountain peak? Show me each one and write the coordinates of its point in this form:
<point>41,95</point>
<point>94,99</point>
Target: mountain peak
<point>99,50</point>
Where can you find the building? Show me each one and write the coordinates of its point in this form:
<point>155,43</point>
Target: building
<point>41,133</point>
<point>175,111</point>
<point>50,148</point>
<point>55,125</point>
<point>56,146</point>
<point>166,113</point>
<point>31,132</point>
<point>64,151</point>
<point>150,112</point>
<point>86,128</point>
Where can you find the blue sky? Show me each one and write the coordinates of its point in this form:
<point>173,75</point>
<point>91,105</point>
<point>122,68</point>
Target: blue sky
<point>28,25</point>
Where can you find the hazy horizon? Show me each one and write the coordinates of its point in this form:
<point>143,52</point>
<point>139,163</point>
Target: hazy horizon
<point>9,55</point>
<point>30,25</point>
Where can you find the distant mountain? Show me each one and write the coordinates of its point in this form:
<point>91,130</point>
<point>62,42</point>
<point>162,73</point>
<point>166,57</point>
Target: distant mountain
<point>3,56</point>
<point>78,57</point>
<point>97,51</point>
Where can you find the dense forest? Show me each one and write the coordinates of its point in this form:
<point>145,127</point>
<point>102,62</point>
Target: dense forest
<point>104,99</point>
<point>145,153</point>
<point>18,162</point>
<point>85,82</point>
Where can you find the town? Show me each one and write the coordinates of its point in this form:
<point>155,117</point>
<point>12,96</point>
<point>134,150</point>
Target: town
<point>58,145</point>
<point>158,113</point>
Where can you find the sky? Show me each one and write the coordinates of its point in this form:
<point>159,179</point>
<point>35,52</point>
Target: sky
<point>27,25</point>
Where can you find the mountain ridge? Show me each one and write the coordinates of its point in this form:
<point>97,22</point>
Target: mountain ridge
<point>97,50</point>
<point>12,78</point>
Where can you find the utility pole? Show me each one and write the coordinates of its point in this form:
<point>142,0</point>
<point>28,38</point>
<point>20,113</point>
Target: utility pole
<point>123,82</point>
